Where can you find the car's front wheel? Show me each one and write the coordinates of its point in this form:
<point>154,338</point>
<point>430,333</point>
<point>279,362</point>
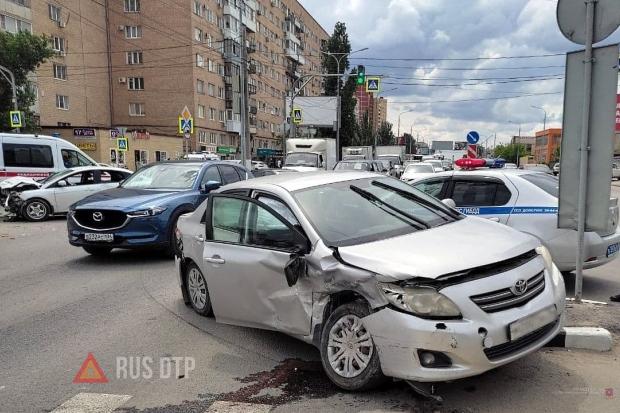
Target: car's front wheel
<point>196,285</point>
<point>36,210</point>
<point>348,353</point>
<point>98,251</point>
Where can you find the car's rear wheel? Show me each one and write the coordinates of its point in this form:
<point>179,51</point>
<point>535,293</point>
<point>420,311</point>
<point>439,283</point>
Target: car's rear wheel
<point>196,285</point>
<point>348,353</point>
<point>98,251</point>
<point>36,210</point>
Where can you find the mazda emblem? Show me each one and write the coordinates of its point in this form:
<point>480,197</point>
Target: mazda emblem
<point>520,287</point>
<point>98,216</point>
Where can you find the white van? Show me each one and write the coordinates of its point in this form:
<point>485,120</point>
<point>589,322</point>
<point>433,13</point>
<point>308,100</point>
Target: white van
<point>38,156</point>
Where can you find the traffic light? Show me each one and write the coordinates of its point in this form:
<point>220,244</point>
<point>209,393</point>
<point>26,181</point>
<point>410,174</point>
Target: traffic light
<point>361,75</point>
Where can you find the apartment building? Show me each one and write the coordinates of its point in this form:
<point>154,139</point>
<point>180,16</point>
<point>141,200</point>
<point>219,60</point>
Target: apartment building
<point>367,103</point>
<point>131,66</point>
<point>15,15</point>
<point>548,141</point>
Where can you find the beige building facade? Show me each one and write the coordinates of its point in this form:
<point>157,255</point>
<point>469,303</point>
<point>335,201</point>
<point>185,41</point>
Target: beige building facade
<point>132,66</point>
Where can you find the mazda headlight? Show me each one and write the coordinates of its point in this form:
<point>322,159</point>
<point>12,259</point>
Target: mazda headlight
<point>149,212</point>
<point>546,255</point>
<point>425,302</point>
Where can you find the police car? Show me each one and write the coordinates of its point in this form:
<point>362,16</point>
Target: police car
<point>527,201</point>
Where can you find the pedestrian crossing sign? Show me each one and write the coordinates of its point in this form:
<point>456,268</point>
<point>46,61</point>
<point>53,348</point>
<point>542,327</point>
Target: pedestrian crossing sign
<point>122,144</point>
<point>297,118</point>
<point>16,118</point>
<point>373,84</point>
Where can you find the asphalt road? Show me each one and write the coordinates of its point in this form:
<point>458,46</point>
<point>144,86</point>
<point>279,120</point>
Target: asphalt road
<point>57,304</point>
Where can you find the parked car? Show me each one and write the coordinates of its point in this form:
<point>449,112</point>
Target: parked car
<point>356,165</point>
<point>386,298</point>
<point>417,171</point>
<point>526,201</point>
<point>510,166</point>
<point>437,164</point>
<point>38,156</point>
<point>556,168</point>
<point>537,167</point>
<point>266,172</point>
<point>56,193</point>
<point>259,165</point>
<point>615,170</point>
<point>143,210</point>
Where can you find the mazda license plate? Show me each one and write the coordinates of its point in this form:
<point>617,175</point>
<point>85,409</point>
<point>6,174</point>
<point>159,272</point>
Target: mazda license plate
<point>613,249</point>
<point>99,237</point>
<point>532,323</point>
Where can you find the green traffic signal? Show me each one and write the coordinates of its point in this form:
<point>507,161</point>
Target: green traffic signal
<point>361,75</point>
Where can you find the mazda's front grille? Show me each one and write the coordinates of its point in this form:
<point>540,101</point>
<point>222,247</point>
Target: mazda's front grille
<point>99,219</point>
<point>505,298</point>
<point>511,347</point>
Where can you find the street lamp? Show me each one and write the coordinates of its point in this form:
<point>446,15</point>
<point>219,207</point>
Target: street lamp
<point>519,141</point>
<point>8,75</point>
<point>545,118</point>
<point>401,113</point>
<point>338,58</point>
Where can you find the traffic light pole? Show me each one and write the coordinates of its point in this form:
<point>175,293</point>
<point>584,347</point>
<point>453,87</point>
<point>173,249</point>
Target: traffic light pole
<point>8,75</point>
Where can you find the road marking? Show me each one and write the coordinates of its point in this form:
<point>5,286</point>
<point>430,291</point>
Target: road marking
<point>92,403</point>
<point>236,407</point>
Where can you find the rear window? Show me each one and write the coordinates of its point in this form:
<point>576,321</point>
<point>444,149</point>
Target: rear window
<point>548,183</point>
<point>27,156</point>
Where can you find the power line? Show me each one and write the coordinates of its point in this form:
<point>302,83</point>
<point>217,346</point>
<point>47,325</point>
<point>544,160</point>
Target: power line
<point>478,99</point>
<point>456,59</point>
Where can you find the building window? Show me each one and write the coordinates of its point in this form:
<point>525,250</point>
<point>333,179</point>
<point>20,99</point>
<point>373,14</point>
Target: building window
<point>200,60</point>
<point>211,66</point>
<point>209,40</point>
<point>133,32</point>
<point>212,113</point>
<point>222,117</point>
<point>62,102</point>
<point>198,35</point>
<point>136,109</point>
<point>13,25</point>
<point>161,156</point>
<point>132,6</point>
<point>200,86</point>
<point>202,136</point>
<point>135,83</point>
<point>201,111</point>
<point>58,45</point>
<point>221,93</point>
<point>212,138</point>
<point>54,13</point>
<point>211,89</point>
<point>60,72</point>
<point>134,58</point>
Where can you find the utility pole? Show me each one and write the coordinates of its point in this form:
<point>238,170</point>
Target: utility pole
<point>243,135</point>
<point>8,75</point>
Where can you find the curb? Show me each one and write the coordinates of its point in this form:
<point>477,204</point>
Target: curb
<point>584,338</point>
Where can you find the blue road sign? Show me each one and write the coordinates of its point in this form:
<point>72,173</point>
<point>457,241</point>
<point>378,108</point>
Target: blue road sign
<point>16,119</point>
<point>473,137</point>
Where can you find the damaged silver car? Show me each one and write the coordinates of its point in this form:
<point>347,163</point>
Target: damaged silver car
<point>383,279</point>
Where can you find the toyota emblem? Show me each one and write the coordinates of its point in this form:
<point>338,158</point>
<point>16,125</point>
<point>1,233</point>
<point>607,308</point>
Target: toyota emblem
<point>98,216</point>
<point>520,287</point>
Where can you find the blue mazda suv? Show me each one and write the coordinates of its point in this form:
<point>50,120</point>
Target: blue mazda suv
<point>143,210</point>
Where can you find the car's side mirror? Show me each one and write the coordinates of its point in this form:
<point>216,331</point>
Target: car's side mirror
<point>449,202</point>
<point>296,266</point>
<point>210,186</point>
<point>61,184</point>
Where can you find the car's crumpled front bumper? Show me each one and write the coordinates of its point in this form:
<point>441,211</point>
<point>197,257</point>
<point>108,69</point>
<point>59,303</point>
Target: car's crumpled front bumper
<point>398,336</point>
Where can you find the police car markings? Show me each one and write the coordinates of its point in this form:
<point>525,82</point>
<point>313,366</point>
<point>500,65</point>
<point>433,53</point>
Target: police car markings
<point>507,210</point>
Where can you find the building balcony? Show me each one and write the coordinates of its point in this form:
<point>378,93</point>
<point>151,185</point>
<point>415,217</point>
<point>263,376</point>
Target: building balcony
<point>296,56</point>
<point>292,37</point>
<point>252,89</point>
<point>233,126</point>
<point>253,130</point>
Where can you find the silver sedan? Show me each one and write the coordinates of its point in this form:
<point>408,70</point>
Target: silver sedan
<point>385,280</point>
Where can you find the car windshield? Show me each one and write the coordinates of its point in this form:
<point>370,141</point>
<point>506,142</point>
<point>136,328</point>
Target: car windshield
<point>419,168</point>
<point>164,176</point>
<point>386,158</point>
<point>302,159</point>
<point>56,175</point>
<point>366,210</point>
<point>548,183</point>
<point>352,166</point>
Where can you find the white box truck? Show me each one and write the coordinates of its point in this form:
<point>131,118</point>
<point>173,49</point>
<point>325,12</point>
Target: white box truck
<point>356,152</point>
<point>394,154</point>
<point>307,155</point>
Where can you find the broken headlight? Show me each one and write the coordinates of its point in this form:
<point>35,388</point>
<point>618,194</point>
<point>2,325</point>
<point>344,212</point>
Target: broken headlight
<point>425,302</point>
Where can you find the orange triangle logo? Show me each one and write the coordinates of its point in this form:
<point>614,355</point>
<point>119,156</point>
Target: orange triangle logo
<point>90,372</point>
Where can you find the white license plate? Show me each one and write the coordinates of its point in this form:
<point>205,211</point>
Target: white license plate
<point>531,323</point>
<point>99,237</point>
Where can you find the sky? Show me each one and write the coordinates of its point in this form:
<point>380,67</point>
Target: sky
<point>486,35</point>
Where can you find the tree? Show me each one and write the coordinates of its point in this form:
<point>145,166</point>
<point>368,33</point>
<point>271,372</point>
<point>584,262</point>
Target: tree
<point>21,53</point>
<point>365,135</point>
<point>338,44</point>
<point>385,136</point>
<point>348,122</point>
<point>409,143</point>
<point>509,152</point>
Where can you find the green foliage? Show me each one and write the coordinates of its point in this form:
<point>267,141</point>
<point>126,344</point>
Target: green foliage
<point>385,136</point>
<point>21,53</point>
<point>509,152</point>
<point>365,135</point>
<point>339,44</point>
<point>348,122</point>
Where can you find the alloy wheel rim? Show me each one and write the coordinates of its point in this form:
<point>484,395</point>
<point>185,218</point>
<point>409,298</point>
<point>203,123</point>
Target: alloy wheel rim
<point>197,288</point>
<point>36,210</point>
<point>349,347</point>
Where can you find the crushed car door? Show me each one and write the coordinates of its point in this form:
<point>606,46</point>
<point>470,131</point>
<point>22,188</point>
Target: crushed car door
<point>246,250</point>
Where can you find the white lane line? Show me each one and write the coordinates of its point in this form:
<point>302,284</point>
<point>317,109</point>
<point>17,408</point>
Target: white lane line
<point>92,403</point>
<point>235,407</point>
